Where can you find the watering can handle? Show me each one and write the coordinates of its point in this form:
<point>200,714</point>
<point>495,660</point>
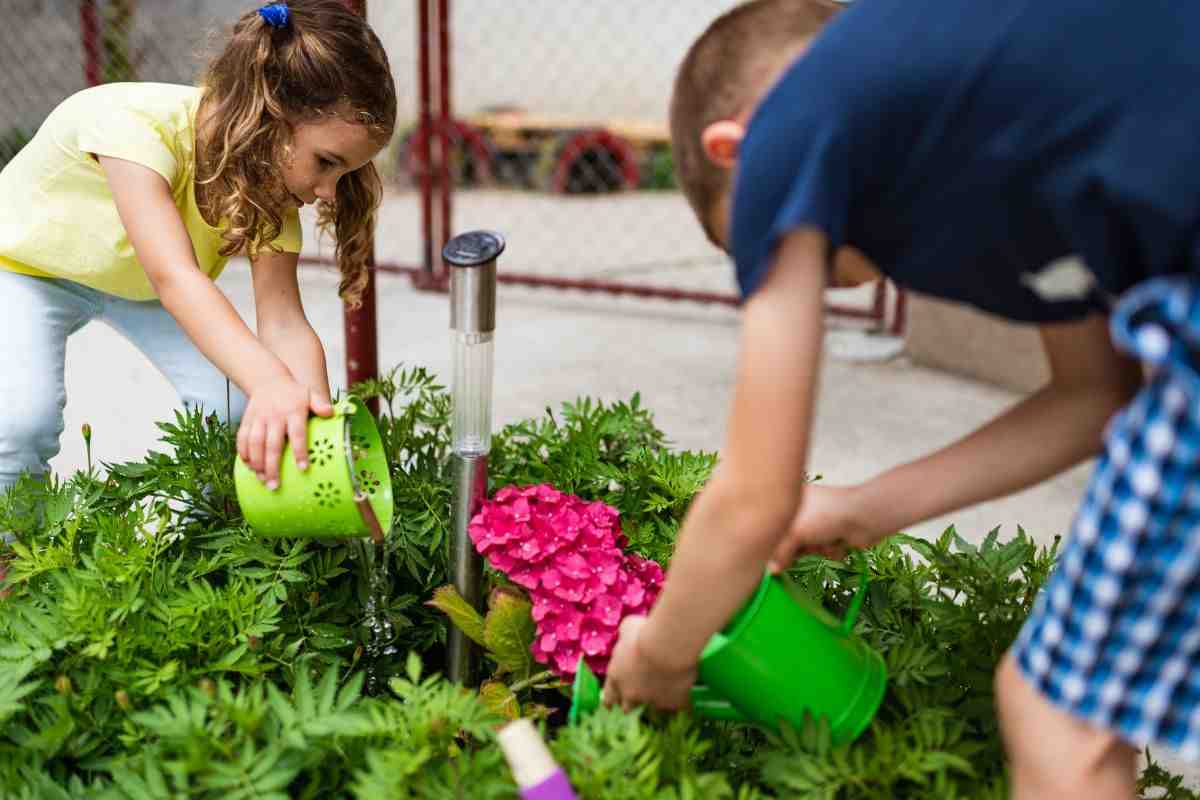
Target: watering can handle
<point>856,601</point>
<point>708,703</point>
<point>361,501</point>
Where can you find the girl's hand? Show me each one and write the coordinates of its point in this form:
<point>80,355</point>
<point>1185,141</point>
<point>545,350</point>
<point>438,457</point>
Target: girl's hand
<point>831,520</point>
<point>634,679</point>
<point>276,410</point>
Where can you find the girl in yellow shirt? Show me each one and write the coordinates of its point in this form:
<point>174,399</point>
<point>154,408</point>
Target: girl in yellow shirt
<point>130,198</point>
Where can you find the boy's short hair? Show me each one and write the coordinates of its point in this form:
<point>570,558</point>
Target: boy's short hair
<point>729,62</point>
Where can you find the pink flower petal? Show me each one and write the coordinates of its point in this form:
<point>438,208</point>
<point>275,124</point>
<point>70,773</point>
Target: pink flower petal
<point>569,590</point>
<point>548,642</point>
<point>548,494</point>
<point>544,605</point>
<point>569,626</point>
<point>506,494</point>
<point>607,609</point>
<point>551,578</point>
<point>529,548</point>
<point>592,588</point>
<point>566,659</point>
<point>526,578</point>
<point>601,513</point>
<point>598,641</point>
<point>501,561</point>
<point>520,509</point>
<point>573,565</point>
<point>634,594</point>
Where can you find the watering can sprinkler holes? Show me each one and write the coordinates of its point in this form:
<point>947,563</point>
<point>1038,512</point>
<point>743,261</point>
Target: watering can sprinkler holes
<point>346,491</point>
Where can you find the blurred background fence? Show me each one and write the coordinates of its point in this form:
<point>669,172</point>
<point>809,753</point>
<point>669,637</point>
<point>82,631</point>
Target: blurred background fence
<point>546,122</point>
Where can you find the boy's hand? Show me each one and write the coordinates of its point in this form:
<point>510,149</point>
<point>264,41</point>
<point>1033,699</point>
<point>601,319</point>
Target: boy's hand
<point>634,679</point>
<point>831,520</point>
<point>278,410</point>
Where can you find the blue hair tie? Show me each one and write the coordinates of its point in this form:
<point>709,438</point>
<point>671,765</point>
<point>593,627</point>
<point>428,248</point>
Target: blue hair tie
<point>276,14</point>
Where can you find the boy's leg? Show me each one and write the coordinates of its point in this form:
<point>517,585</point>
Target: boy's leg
<point>153,330</point>
<point>1053,755</point>
<point>1109,660</point>
<point>36,317</point>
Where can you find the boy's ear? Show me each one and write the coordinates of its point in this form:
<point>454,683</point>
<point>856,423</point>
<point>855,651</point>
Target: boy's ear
<point>721,140</point>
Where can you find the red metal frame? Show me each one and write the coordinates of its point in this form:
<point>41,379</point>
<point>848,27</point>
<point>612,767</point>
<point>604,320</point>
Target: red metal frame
<point>360,325</point>
<point>435,121</point>
<point>433,276</point>
<point>445,119</point>
<point>89,32</point>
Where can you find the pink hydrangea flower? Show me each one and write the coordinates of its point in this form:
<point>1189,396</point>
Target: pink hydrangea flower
<point>568,554</point>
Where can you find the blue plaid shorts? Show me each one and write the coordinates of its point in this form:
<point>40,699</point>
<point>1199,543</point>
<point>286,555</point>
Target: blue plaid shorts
<point>1114,637</point>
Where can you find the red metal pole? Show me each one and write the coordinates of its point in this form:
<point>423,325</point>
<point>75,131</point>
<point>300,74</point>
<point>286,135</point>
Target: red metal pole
<point>444,119</point>
<point>424,137</point>
<point>901,317</point>
<point>360,325</point>
<point>89,27</point>
<point>879,304</point>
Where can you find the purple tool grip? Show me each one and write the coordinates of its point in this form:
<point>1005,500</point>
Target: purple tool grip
<point>555,787</point>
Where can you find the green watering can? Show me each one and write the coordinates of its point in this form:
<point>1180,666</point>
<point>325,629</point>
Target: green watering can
<point>782,656</point>
<point>346,492</point>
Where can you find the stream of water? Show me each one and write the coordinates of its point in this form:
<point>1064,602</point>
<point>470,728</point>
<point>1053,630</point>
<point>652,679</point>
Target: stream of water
<point>378,632</point>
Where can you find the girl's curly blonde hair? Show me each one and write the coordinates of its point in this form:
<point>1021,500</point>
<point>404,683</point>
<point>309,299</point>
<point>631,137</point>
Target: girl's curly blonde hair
<point>326,61</point>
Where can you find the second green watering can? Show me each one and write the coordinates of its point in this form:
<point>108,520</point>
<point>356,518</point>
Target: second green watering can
<point>781,657</point>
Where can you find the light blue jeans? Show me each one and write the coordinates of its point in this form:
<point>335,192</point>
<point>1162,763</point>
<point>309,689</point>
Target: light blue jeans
<point>36,317</point>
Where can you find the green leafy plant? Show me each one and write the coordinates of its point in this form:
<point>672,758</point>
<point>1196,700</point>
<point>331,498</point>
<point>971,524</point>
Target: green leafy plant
<point>152,646</point>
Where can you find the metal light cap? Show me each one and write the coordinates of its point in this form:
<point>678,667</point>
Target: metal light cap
<point>473,249</point>
<point>472,258</point>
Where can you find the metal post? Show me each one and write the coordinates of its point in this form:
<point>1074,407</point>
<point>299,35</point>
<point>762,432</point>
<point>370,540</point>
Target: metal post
<point>471,260</point>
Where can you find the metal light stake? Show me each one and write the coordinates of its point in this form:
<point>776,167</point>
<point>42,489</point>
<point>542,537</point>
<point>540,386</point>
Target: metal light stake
<point>472,261</point>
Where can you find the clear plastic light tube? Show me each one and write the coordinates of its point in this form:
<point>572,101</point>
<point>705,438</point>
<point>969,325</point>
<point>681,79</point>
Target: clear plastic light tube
<point>472,260</point>
<point>471,388</point>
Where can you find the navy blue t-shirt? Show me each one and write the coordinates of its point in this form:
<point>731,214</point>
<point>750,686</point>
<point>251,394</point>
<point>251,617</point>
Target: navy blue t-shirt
<point>972,147</point>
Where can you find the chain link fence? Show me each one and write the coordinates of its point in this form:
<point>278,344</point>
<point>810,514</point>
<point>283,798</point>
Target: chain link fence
<point>52,48</point>
<point>558,138</point>
<point>558,135</point>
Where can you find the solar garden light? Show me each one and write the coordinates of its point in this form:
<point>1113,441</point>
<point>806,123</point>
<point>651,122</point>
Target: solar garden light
<point>471,258</point>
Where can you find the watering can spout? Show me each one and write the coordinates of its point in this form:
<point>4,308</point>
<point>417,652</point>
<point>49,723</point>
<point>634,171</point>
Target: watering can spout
<point>586,698</point>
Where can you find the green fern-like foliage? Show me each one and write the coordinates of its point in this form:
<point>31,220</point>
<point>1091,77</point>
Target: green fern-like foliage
<point>152,647</point>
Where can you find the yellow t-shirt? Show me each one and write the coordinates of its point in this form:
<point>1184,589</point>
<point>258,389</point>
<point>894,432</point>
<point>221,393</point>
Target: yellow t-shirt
<point>57,214</point>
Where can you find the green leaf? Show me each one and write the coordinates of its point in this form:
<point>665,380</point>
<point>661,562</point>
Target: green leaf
<point>500,699</point>
<point>465,618</point>
<point>508,634</point>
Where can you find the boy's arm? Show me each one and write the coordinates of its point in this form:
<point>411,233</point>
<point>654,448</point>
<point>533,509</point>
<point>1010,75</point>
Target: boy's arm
<point>740,516</point>
<point>282,325</point>
<point>1055,428</point>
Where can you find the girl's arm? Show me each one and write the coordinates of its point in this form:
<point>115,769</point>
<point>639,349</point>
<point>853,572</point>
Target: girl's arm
<point>1053,429</point>
<point>744,510</point>
<point>278,404</point>
<point>282,326</point>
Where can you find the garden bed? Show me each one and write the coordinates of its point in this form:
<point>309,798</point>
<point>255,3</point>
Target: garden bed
<point>152,647</point>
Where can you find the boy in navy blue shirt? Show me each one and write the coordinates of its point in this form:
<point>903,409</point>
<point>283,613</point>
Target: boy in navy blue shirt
<point>1041,162</point>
